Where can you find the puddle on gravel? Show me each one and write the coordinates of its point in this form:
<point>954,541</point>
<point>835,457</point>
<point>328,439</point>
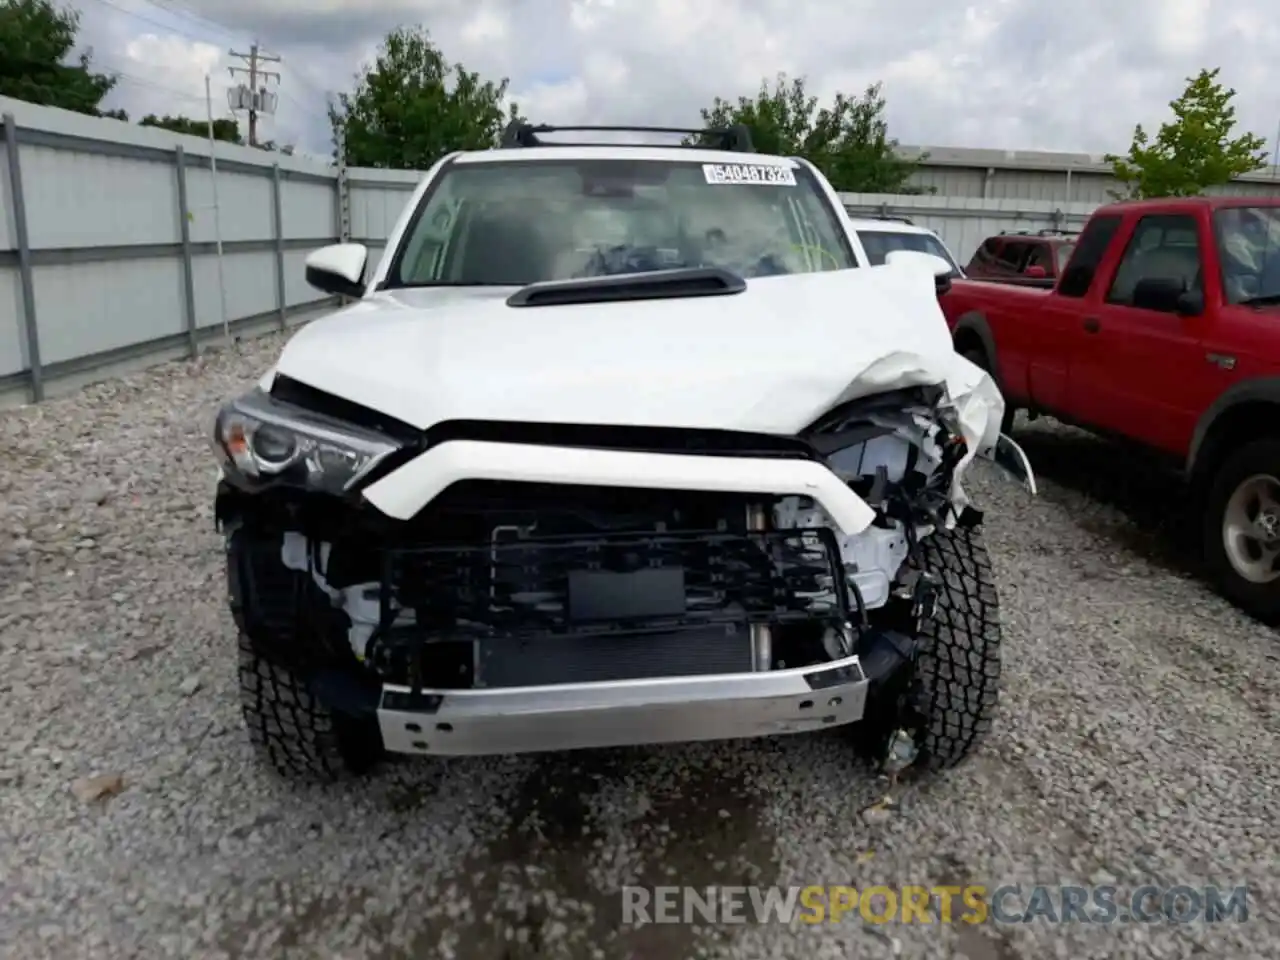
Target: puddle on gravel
<point>585,824</point>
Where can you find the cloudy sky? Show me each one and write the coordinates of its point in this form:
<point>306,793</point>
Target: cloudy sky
<point>1007,74</point>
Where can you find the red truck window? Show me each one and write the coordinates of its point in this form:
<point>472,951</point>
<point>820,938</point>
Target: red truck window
<point>1249,244</point>
<point>1012,255</point>
<point>1040,257</point>
<point>1163,246</point>
<point>984,257</point>
<point>1090,249</point>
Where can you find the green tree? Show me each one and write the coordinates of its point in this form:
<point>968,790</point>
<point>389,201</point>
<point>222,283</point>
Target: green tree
<point>1193,151</point>
<point>848,140</point>
<point>411,107</point>
<point>36,40</point>
<point>225,129</point>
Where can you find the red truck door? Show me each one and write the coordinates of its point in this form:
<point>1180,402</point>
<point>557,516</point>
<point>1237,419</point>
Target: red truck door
<point>1049,337</point>
<point>1140,368</point>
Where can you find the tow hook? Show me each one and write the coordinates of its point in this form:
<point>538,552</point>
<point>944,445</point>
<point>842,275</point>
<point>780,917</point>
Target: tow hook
<point>924,599</point>
<point>900,753</point>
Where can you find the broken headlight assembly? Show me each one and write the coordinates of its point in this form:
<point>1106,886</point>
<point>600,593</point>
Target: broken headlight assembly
<point>263,441</point>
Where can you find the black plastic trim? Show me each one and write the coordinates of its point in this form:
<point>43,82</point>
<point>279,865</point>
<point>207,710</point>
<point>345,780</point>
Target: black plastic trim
<point>682,440</point>
<point>883,653</point>
<point>1258,390</point>
<point>655,285</point>
<point>288,390</point>
<point>332,284</point>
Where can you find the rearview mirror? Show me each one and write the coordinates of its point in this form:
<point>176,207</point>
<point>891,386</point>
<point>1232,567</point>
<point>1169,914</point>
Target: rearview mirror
<point>1035,272</point>
<point>1168,295</point>
<point>1190,303</point>
<point>939,267</point>
<point>338,269</point>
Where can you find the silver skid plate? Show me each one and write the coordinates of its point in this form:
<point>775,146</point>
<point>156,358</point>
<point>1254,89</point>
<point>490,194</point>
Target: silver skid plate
<point>623,713</point>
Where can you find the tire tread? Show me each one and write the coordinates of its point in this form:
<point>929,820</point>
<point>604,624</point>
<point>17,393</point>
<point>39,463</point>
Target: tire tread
<point>288,727</point>
<point>958,670</point>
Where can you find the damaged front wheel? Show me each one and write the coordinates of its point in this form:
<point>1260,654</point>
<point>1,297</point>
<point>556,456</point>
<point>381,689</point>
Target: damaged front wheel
<point>300,737</point>
<point>947,701</point>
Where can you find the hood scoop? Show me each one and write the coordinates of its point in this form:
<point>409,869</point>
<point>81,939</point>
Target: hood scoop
<point>654,285</point>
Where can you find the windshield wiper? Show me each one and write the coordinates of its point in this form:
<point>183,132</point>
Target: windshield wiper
<point>1265,300</point>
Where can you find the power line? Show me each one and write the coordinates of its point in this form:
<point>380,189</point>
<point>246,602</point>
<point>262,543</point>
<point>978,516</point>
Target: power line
<point>176,9</point>
<point>172,91</point>
<point>155,23</point>
<point>169,6</point>
<point>171,9</point>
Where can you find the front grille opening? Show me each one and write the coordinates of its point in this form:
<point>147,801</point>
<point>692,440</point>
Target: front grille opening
<point>516,587</point>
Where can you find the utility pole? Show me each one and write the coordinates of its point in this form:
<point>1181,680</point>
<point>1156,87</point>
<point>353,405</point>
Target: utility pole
<point>257,98</point>
<point>344,190</point>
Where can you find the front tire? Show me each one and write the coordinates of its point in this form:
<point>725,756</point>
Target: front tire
<point>951,696</point>
<point>1242,529</point>
<point>282,621</point>
<point>296,734</point>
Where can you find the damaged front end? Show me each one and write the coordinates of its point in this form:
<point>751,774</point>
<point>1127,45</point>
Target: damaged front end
<point>507,615</point>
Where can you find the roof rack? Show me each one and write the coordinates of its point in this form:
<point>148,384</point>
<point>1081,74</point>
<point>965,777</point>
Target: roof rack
<point>886,216</point>
<point>1047,232</point>
<point>736,138</point>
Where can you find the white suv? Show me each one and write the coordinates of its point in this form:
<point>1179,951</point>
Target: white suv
<point>618,445</point>
<point>881,236</point>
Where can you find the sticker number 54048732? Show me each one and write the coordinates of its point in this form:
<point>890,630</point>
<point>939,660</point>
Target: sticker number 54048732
<point>749,173</point>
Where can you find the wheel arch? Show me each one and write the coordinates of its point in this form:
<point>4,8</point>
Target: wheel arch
<point>1246,411</point>
<point>972,331</point>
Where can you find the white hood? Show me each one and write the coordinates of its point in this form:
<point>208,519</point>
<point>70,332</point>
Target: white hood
<point>769,360</point>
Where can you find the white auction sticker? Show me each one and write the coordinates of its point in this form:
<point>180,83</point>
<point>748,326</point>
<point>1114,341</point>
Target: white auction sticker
<point>749,173</point>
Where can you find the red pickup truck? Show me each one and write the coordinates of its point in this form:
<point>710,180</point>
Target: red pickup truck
<point>1163,329</point>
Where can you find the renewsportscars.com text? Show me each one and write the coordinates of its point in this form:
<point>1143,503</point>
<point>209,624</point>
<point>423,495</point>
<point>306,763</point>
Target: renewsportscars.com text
<point>973,904</point>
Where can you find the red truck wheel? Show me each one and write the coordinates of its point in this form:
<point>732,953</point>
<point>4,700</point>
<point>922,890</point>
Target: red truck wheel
<point>1242,529</point>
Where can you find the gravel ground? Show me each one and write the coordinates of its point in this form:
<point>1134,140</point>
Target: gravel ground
<point>1137,742</point>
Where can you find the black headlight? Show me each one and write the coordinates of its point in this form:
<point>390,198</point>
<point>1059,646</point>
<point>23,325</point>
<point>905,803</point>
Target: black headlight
<point>262,438</point>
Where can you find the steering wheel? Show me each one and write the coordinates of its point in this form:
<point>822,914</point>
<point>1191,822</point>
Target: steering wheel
<point>810,249</point>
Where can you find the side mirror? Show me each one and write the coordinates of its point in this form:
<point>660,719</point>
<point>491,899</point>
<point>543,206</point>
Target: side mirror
<point>1035,272</point>
<point>940,268</point>
<point>338,269</point>
<point>1190,303</point>
<point>1158,293</point>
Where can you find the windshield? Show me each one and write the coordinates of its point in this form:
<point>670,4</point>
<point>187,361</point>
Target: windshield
<point>880,243</point>
<point>519,222</point>
<point>1249,243</point>
<point>1063,255</point>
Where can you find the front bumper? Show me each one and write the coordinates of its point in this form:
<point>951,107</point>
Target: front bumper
<point>622,713</point>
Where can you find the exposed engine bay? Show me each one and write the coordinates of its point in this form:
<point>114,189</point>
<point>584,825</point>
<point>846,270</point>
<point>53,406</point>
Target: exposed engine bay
<point>519,584</point>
